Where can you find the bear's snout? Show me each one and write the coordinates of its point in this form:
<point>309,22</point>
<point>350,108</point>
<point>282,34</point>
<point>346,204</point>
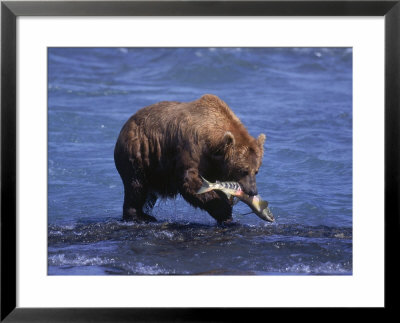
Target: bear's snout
<point>253,192</point>
<point>249,185</point>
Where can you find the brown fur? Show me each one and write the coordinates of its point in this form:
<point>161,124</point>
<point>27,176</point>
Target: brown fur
<point>163,148</point>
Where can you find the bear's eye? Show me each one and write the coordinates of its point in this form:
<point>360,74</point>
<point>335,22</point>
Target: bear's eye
<point>256,172</point>
<point>244,172</point>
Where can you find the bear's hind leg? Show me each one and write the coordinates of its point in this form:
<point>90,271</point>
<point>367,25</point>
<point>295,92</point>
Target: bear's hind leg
<point>135,199</point>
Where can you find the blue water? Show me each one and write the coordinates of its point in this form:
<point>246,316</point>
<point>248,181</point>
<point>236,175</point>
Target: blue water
<point>301,98</point>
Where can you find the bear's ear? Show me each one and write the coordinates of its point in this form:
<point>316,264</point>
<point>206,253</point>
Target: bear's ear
<point>261,139</point>
<point>228,139</point>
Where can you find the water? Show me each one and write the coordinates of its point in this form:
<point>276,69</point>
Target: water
<point>301,98</point>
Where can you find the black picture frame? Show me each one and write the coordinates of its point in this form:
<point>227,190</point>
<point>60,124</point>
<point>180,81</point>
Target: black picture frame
<point>10,10</point>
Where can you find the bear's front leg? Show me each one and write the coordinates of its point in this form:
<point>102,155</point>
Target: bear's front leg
<point>215,203</point>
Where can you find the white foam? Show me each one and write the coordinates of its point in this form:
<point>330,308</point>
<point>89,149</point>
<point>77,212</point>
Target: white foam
<point>63,260</point>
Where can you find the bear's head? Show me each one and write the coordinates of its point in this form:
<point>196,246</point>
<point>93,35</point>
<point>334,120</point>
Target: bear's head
<point>242,159</point>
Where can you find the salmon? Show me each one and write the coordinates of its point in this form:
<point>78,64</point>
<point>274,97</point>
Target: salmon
<point>230,189</point>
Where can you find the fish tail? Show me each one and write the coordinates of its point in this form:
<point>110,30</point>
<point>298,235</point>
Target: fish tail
<point>206,187</point>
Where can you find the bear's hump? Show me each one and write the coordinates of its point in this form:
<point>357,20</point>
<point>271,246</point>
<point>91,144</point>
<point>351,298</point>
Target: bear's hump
<point>213,103</point>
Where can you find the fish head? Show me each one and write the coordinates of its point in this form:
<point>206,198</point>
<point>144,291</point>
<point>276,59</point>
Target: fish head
<point>262,209</point>
<point>258,203</point>
<point>266,215</point>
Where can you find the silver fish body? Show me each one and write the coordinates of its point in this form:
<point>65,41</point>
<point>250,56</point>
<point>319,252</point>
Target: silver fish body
<point>258,206</point>
<point>229,188</point>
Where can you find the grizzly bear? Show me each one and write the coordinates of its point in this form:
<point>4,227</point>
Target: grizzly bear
<point>164,148</point>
